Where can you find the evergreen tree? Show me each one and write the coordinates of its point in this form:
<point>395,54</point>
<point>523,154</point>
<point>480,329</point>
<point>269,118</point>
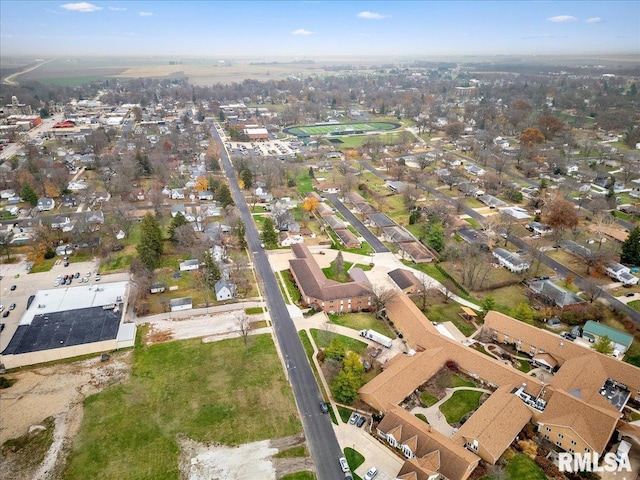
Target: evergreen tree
<point>212,272</point>
<point>176,222</point>
<point>247,178</point>
<point>150,246</point>
<point>143,166</point>
<point>28,194</point>
<point>630,253</point>
<point>241,232</point>
<point>311,172</point>
<point>224,196</point>
<point>603,345</point>
<point>269,236</point>
<point>435,236</point>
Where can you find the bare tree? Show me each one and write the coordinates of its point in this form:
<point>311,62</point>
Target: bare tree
<point>244,327</point>
<point>380,298</point>
<point>592,291</point>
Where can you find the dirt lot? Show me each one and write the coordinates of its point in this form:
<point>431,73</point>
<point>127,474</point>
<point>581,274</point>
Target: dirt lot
<point>54,391</point>
<point>57,392</point>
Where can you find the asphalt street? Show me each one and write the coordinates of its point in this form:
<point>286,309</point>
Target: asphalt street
<point>560,269</point>
<point>376,244</point>
<point>318,429</point>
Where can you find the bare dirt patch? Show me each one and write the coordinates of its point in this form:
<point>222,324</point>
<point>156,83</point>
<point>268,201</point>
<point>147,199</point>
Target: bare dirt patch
<point>244,462</point>
<point>55,391</point>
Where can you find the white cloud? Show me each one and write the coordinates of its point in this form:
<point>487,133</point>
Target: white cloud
<point>81,7</point>
<point>594,20</point>
<point>117,9</point>
<point>371,15</point>
<point>145,14</point>
<point>562,18</point>
<point>301,31</point>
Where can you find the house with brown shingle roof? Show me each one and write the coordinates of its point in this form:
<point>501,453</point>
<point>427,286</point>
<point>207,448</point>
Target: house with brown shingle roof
<point>407,317</point>
<point>416,252</point>
<point>406,281</point>
<point>428,452</point>
<point>495,425</point>
<point>321,293</point>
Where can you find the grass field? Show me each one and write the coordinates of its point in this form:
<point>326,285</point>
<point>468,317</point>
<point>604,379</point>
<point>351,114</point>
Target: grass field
<point>461,403</point>
<point>323,338</point>
<point>179,388</point>
<point>335,129</point>
<point>362,321</point>
<point>523,468</point>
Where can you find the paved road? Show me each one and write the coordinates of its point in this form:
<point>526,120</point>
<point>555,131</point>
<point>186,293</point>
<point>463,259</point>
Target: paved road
<point>376,244</point>
<point>318,428</point>
<point>582,283</point>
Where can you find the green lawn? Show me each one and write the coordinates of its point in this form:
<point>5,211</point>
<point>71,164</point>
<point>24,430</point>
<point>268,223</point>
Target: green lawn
<point>422,417</point>
<point>305,185</point>
<point>218,392</point>
<point>253,310</point>
<point>345,414</point>
<point>341,276</point>
<point>635,305</point>
<point>304,475</point>
<point>458,381</point>
<point>322,338</point>
<point>290,286</point>
<point>427,399</point>
<point>354,458</point>
<point>450,312</point>
<point>293,452</point>
<point>461,403</point>
<point>362,321</point>
<point>523,468</point>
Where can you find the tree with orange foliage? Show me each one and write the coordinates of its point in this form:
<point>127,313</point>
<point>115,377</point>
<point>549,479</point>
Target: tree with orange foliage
<point>201,184</point>
<point>531,137</point>
<point>310,204</point>
<point>560,214</point>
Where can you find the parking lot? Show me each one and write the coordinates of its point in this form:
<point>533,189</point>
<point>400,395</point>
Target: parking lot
<point>26,284</point>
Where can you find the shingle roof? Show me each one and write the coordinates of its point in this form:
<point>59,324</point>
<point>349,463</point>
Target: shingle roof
<point>496,423</point>
<point>554,293</point>
<point>456,462</point>
<point>417,251</point>
<point>404,278</point>
<point>313,282</point>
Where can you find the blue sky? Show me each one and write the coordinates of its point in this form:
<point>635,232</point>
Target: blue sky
<point>305,29</point>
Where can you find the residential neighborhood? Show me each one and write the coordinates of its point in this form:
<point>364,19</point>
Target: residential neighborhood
<point>381,268</point>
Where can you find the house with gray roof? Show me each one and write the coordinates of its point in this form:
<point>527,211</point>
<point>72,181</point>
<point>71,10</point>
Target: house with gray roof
<point>553,294</point>
<point>511,261</point>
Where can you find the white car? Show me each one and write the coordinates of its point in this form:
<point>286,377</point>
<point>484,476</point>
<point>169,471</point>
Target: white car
<point>371,474</point>
<point>344,464</point>
<point>1,308</point>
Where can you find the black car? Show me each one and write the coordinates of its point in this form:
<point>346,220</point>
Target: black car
<point>6,314</point>
<point>324,408</point>
<point>1,326</point>
<point>13,287</point>
<point>361,421</point>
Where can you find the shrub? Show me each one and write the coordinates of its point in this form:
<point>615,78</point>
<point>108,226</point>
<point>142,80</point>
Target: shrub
<point>4,383</point>
<point>529,448</point>
<point>452,365</point>
<point>49,253</point>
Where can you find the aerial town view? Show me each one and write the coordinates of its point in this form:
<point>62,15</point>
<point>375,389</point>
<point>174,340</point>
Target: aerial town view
<point>339,240</point>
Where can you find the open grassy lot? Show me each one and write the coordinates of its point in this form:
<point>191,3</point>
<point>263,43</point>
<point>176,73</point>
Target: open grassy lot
<point>323,338</point>
<point>179,388</point>
<point>362,321</point>
<point>461,403</point>
<point>341,128</point>
<point>304,475</point>
<point>450,312</point>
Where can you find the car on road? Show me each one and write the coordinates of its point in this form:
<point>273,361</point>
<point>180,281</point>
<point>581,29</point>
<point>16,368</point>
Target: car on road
<point>324,408</point>
<point>371,474</point>
<point>361,421</point>
<point>12,306</point>
<point>344,465</point>
<point>354,418</point>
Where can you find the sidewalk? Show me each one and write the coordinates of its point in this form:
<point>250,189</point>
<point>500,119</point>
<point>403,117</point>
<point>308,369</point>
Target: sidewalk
<point>435,417</point>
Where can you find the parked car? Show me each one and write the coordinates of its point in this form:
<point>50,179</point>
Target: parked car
<point>12,306</point>
<point>1,326</point>
<point>354,418</point>
<point>6,314</point>
<point>13,287</point>
<point>371,474</point>
<point>361,421</point>
<point>629,294</point>
<point>1,308</point>
<point>97,278</point>
<point>344,464</point>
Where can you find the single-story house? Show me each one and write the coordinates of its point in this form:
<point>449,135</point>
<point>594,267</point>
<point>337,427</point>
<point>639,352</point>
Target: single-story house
<point>46,204</point>
<point>183,303</point>
<point>511,261</point>
<point>157,288</point>
<point>620,341</point>
<point>187,265</point>
<point>225,290</point>
<point>406,281</point>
